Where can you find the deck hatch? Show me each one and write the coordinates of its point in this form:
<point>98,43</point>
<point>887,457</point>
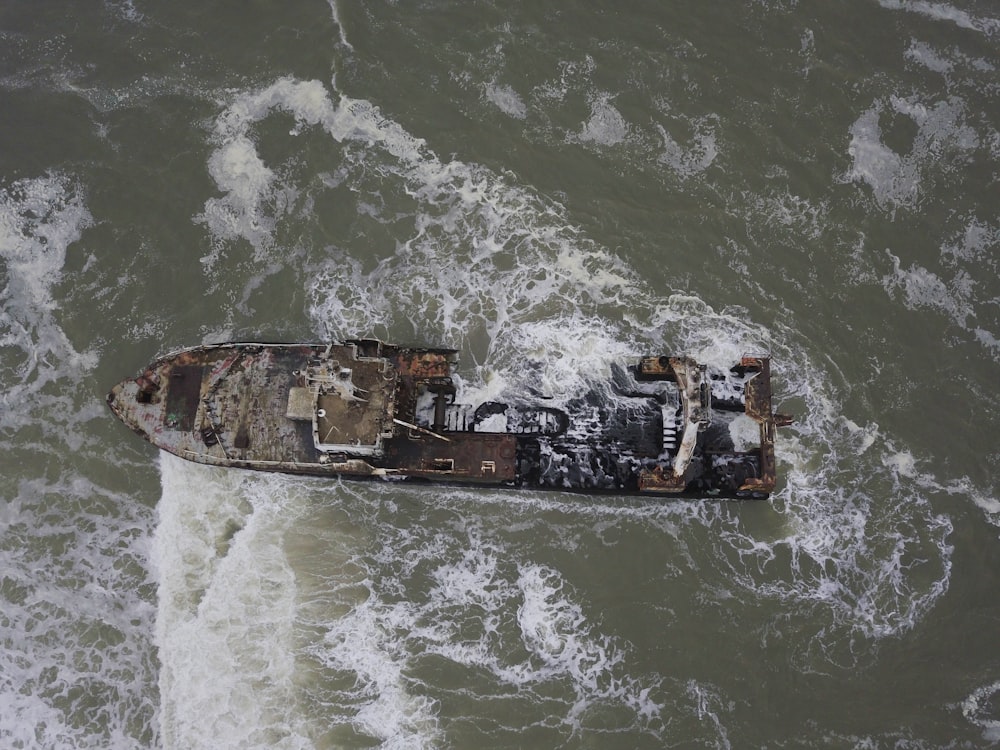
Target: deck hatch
<point>183,396</point>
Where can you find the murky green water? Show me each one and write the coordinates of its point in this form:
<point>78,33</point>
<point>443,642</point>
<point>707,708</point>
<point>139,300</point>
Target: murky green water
<point>549,188</point>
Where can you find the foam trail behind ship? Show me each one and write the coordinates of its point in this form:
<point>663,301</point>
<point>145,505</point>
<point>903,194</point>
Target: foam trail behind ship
<point>226,610</point>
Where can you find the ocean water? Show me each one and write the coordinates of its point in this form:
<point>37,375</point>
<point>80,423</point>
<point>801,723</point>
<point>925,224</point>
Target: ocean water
<point>550,188</point>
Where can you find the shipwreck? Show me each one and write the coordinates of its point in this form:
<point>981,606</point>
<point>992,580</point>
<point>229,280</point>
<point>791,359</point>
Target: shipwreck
<point>663,426</point>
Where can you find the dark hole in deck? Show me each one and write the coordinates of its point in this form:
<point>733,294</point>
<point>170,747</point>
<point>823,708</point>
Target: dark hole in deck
<point>183,395</point>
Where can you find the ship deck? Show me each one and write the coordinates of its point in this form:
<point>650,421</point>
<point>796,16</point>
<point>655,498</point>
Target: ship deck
<point>363,408</point>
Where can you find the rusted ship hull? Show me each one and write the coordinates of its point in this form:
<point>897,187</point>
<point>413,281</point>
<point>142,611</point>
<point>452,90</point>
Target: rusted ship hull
<point>666,426</point>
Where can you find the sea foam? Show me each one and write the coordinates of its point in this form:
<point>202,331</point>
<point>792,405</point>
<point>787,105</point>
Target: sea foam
<point>76,668</point>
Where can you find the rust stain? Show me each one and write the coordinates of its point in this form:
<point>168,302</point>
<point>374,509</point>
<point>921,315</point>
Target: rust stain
<point>425,364</point>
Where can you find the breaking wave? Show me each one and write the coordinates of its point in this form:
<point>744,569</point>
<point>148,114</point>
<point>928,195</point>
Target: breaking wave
<point>76,665</point>
<point>224,629</point>
<point>39,220</point>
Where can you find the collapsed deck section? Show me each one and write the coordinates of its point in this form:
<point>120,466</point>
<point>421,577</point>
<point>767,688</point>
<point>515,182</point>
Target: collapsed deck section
<point>745,389</point>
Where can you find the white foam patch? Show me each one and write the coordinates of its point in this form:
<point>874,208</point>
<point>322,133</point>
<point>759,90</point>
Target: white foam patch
<point>696,157</point>
<point>980,708</point>
<point>556,348</point>
<point>607,129</point>
<point>946,13</point>
<point>39,220</point>
<point>787,211</point>
<point>924,54</point>
<point>516,625</point>
<point>708,705</point>
<point>893,177</point>
<point>369,644</point>
<point>861,549</point>
<point>77,667</point>
<point>976,243</point>
<point>744,432</point>
<point>606,126</point>
<point>690,325</point>
<point>126,9</point>
<point>226,610</point>
<point>904,464</point>
<point>253,201</point>
<point>880,568</point>
<point>564,643</point>
<point>240,173</point>
<point>959,289</point>
<point>922,288</point>
<point>341,30</point>
<point>463,211</point>
<point>506,99</point>
<point>573,75</point>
